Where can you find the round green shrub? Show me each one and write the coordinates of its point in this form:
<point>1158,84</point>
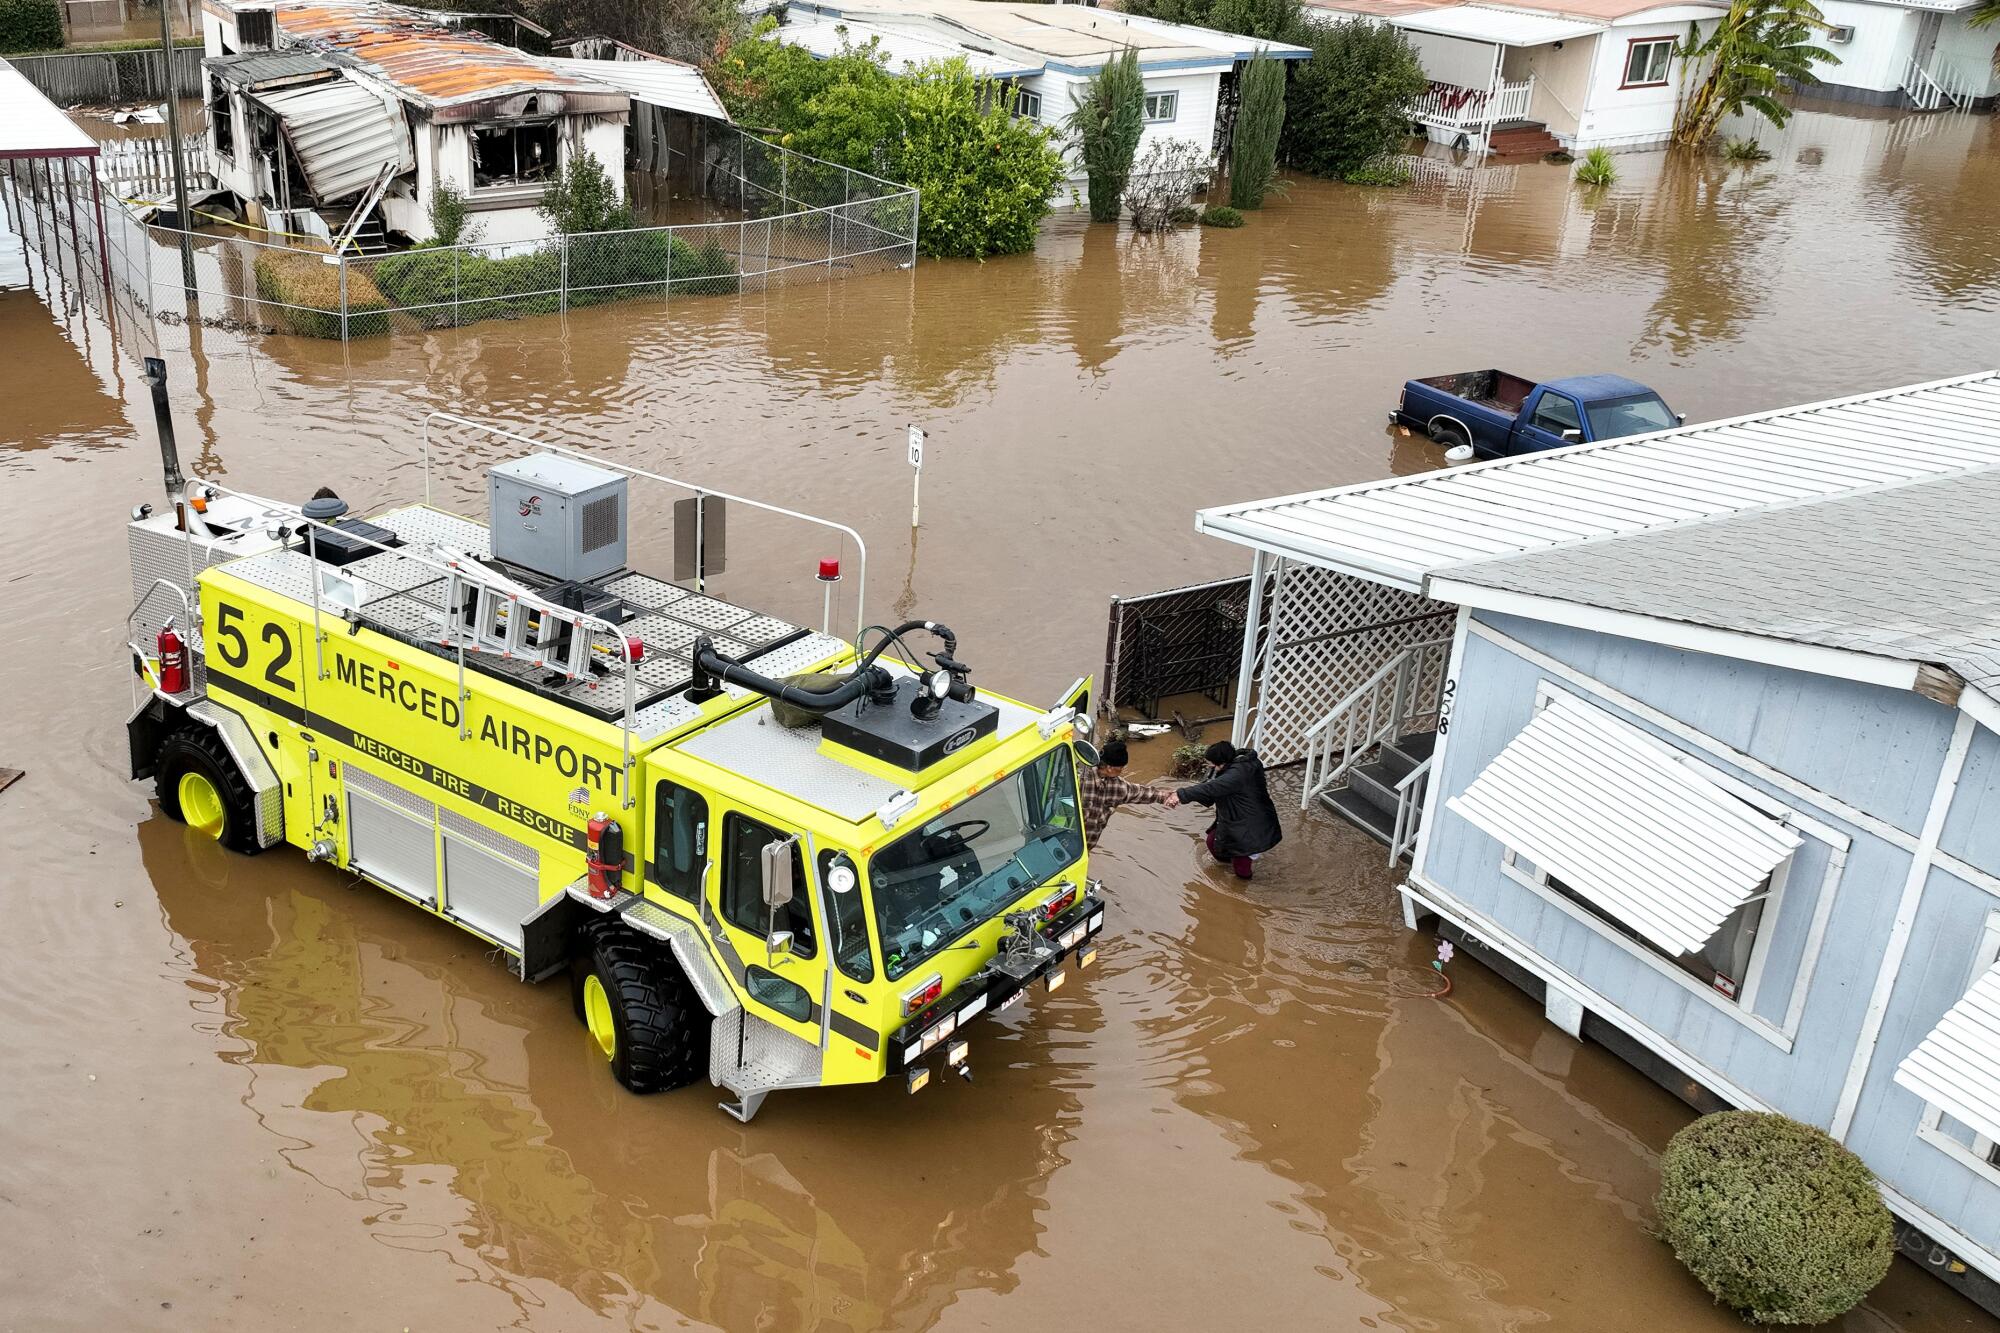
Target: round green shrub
<point>1777,1220</point>
<point>1222,215</point>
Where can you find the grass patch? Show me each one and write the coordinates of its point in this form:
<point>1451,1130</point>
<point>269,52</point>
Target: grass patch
<point>1222,215</point>
<point>303,280</point>
<point>1745,150</point>
<point>1597,168</point>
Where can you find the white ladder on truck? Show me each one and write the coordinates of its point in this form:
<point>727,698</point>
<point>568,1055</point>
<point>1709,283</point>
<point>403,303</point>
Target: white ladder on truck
<point>488,612</point>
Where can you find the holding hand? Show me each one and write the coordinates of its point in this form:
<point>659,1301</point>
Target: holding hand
<point>1173,801</point>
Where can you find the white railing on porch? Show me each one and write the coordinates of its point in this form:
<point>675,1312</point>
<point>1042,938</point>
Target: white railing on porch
<point>1400,697</point>
<point>1448,106</point>
<point>1931,88</point>
<point>1409,808</point>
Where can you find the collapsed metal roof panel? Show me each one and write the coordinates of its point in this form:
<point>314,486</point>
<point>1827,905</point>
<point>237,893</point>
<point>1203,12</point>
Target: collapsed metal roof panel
<point>656,82</point>
<point>343,135</point>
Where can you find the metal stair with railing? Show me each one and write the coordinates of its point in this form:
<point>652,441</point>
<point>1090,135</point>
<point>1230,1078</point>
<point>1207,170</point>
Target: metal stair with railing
<point>1935,87</point>
<point>1369,759</point>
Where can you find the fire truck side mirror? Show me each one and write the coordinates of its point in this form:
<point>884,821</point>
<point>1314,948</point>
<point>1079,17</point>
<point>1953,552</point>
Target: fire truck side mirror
<point>777,867</point>
<point>778,944</point>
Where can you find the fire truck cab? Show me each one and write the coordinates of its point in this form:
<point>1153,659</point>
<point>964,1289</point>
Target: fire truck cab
<point>763,854</point>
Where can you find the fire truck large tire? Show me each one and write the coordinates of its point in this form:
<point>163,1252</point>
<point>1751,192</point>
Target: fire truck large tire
<point>200,785</point>
<point>640,1011</point>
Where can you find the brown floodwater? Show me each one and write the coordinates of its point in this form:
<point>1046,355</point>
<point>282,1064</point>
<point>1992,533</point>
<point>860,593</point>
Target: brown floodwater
<point>244,1093</point>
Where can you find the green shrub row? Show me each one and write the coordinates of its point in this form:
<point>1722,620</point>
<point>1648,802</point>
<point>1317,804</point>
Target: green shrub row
<point>601,268</point>
<point>30,25</point>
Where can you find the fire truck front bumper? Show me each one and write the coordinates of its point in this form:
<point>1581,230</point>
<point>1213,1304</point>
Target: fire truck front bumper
<point>1069,943</point>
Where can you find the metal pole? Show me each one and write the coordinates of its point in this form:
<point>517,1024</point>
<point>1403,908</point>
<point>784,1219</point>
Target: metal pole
<point>700,509</point>
<point>174,134</point>
<point>103,240</point>
<point>562,278</point>
<point>155,378</point>
<point>342,261</point>
<point>75,236</point>
<point>1247,669</point>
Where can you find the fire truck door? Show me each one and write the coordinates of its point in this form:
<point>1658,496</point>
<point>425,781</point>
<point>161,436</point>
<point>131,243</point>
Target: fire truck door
<point>782,964</point>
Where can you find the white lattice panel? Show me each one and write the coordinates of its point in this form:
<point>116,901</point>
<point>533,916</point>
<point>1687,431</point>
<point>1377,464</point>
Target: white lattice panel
<point>1330,633</point>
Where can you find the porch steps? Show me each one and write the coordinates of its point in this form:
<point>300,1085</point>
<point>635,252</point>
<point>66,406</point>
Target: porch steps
<point>1368,801</point>
<point>1522,138</point>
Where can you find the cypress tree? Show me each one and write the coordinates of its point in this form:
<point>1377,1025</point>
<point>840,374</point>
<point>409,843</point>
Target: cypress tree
<point>1107,124</point>
<point>1253,156</point>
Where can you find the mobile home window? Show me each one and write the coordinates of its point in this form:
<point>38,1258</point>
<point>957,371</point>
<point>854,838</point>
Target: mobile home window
<point>1162,107</point>
<point>224,121</point>
<point>1722,965</point>
<point>1027,105</point>
<point>514,154</point>
<point>1646,62</point>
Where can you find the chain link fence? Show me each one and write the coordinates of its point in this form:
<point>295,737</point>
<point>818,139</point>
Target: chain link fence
<point>801,219</point>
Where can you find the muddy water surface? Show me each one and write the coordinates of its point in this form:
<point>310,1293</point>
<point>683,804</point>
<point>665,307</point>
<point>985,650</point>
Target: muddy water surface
<point>244,1093</point>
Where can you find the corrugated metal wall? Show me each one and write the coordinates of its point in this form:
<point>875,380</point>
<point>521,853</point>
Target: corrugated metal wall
<point>97,78</point>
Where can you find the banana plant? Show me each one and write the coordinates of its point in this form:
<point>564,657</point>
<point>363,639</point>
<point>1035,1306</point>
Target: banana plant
<point>1745,62</point>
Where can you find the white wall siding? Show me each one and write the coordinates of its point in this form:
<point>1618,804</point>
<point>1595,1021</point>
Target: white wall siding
<point>1194,117</point>
<point>1616,117</point>
<point>1883,37</point>
<point>1972,828</point>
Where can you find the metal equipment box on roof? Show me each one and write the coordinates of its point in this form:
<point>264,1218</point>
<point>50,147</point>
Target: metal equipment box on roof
<point>557,516</point>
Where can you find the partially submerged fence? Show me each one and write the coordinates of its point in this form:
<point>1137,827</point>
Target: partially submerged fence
<point>802,220</point>
<point>95,78</point>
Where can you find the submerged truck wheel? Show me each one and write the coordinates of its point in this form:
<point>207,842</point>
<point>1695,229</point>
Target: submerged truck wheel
<point>200,786</point>
<point>640,1011</point>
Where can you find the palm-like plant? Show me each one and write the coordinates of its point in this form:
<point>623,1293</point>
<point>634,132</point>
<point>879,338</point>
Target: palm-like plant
<point>1745,62</point>
<point>1984,15</point>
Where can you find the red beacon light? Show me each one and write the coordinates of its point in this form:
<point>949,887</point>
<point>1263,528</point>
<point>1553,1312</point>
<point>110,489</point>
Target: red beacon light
<point>829,571</point>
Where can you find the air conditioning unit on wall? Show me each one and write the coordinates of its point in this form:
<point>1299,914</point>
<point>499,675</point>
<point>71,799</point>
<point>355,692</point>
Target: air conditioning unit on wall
<point>1840,34</point>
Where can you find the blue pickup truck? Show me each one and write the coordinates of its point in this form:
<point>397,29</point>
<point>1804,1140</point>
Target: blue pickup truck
<point>1500,415</point>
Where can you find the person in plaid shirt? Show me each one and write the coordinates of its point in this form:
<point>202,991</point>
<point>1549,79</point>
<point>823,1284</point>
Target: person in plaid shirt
<point>1105,789</point>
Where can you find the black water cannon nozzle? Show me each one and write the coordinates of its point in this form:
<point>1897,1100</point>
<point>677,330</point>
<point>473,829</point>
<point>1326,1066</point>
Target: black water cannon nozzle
<point>155,379</point>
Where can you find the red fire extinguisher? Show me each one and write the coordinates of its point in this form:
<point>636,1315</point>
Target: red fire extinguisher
<point>173,660</point>
<point>604,854</point>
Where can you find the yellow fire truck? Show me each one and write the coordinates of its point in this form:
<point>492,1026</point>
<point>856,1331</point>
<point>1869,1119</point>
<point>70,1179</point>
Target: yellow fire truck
<point>762,852</point>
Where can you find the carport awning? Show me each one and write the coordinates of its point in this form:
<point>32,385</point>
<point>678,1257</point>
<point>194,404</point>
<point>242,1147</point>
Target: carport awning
<point>343,135</point>
<point>1504,27</point>
<point>1625,824</point>
<point>1957,1067</point>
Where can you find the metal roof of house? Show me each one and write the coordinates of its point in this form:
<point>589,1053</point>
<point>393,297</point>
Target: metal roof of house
<point>253,69</point>
<point>1957,1066</point>
<point>1402,531</point>
<point>343,135</point>
<point>825,35</point>
<point>656,82</point>
<point>1071,38</point>
<point>1906,571</point>
<point>1507,27</point>
<point>424,60</point>
<point>33,126</point>
<point>1623,822</point>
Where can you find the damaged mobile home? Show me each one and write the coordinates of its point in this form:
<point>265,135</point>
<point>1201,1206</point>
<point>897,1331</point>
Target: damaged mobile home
<point>340,119</point>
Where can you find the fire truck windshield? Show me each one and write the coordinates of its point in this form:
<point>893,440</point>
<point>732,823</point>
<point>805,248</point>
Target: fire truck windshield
<point>941,881</point>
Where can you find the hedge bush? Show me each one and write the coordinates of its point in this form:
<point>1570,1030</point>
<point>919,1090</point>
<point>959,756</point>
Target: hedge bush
<point>30,25</point>
<point>305,281</point>
<point>603,268</point>
<point>1777,1220</point>
<point>1222,215</point>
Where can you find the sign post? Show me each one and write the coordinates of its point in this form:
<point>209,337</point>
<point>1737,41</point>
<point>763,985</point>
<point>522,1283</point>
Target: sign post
<point>916,471</point>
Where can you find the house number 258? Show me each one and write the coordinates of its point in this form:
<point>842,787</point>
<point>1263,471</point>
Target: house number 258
<point>1444,705</point>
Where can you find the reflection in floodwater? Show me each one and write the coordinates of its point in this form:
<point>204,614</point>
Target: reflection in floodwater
<point>278,1100</point>
<point>447,1071</point>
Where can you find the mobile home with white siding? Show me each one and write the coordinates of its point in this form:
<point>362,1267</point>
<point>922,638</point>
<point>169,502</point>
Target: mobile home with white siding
<point>1714,760</point>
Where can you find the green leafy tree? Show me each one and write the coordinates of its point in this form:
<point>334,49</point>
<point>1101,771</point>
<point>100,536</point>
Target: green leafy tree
<point>1272,20</point>
<point>985,178</point>
<point>1260,118</point>
<point>1107,123</point>
<point>450,217</point>
<point>1348,105</point>
<point>1744,64</point>
<point>30,25</point>
<point>691,30</point>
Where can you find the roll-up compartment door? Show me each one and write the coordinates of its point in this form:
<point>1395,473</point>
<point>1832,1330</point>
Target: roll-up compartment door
<point>491,881</point>
<point>392,835</point>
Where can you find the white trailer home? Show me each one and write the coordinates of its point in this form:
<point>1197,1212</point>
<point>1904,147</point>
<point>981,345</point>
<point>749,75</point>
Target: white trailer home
<point>1520,79</point>
<point>1049,52</point>
<point>342,117</point>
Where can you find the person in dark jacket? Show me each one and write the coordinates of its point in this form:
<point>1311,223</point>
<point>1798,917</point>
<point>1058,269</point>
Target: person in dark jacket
<point>1246,823</point>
